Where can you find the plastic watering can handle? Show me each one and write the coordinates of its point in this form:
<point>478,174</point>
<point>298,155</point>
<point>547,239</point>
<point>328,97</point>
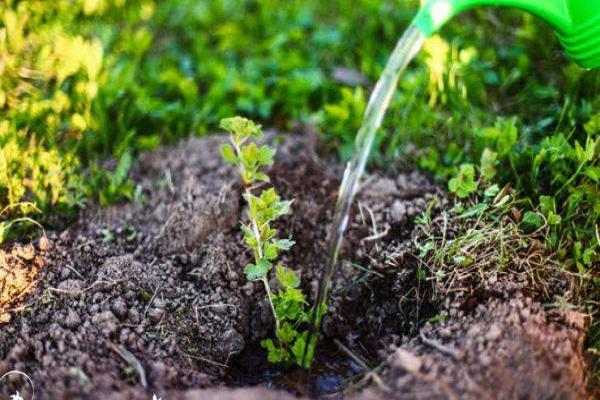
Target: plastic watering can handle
<point>577,22</point>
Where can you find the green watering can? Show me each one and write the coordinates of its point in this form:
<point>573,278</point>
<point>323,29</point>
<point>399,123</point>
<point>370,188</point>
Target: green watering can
<point>577,22</point>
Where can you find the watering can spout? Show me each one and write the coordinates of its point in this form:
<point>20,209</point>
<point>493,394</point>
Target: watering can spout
<point>576,22</point>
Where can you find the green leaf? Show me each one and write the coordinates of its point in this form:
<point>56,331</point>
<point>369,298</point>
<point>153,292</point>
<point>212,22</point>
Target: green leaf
<point>246,230</point>
<point>547,205</point>
<point>532,221</point>
<point>269,197</point>
<point>462,261</point>
<point>590,148</point>
<point>241,127</point>
<point>487,164</point>
<point>249,237</point>
<point>579,152</point>
<point>286,333</point>
<point>284,244</point>
<point>476,210</point>
<point>270,251</point>
<point>588,256</point>
<point>425,249</point>
<point>125,163</point>
<point>265,155</point>
<point>228,154</point>
<point>261,176</point>
<point>507,135</point>
<point>286,277</point>
<point>593,173</point>
<point>257,271</point>
<point>249,155</point>
<point>593,125</point>
<point>289,305</point>
<point>299,347</point>
<point>293,295</point>
<point>492,191</point>
<point>274,354</point>
<point>554,219</point>
<point>463,184</point>
<point>283,207</point>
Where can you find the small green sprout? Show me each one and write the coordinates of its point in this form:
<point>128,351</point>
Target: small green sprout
<point>288,303</point>
<point>464,183</point>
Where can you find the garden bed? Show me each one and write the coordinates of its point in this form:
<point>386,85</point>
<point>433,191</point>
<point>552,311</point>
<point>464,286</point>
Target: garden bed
<point>150,296</point>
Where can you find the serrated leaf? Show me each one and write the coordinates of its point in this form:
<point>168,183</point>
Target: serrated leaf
<point>293,295</point>
<point>284,244</point>
<point>249,155</point>
<point>270,251</point>
<point>257,271</point>
<point>241,127</point>
<point>228,154</point>
<point>554,219</point>
<point>269,197</point>
<point>286,333</point>
<point>463,184</point>
<point>283,207</point>
<point>274,354</point>
<point>265,155</point>
<point>532,221</point>
<point>247,231</point>
<point>287,277</point>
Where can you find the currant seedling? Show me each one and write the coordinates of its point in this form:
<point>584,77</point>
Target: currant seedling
<point>288,303</point>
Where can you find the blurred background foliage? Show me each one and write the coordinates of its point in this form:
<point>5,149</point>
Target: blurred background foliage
<point>86,81</point>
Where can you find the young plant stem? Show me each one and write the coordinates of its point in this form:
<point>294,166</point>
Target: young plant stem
<point>268,289</point>
<point>257,235</point>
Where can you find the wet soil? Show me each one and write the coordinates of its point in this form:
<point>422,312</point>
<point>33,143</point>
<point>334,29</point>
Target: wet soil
<point>150,297</point>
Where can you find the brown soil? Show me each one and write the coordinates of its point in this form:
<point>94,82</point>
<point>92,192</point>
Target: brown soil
<point>145,298</point>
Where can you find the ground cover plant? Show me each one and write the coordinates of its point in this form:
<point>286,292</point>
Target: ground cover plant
<point>288,303</point>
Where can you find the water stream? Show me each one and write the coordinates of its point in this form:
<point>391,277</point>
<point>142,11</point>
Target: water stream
<point>406,49</point>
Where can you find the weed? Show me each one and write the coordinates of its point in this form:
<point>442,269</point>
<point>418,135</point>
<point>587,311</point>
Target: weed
<point>289,303</point>
<point>479,242</point>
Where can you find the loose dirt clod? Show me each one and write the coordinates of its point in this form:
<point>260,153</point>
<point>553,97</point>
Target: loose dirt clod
<point>163,282</point>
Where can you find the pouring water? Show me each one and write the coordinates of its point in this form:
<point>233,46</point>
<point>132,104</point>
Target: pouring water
<point>406,49</point>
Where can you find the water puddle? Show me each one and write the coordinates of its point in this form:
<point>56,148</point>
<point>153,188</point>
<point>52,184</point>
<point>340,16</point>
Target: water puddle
<point>332,372</point>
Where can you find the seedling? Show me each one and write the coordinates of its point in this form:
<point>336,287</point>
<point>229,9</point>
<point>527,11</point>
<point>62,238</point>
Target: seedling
<point>288,303</point>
